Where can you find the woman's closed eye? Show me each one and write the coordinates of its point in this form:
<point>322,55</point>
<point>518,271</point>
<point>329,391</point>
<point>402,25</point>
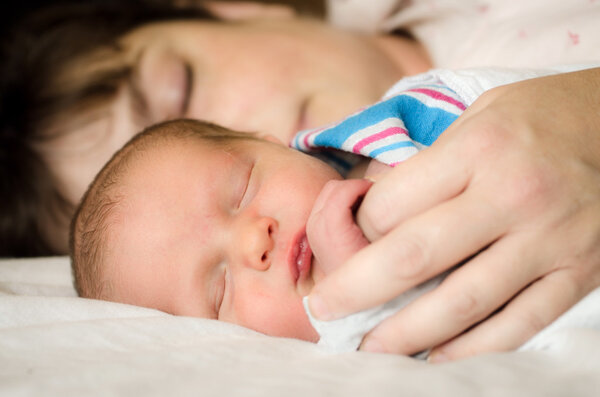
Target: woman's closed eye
<point>187,88</point>
<point>162,85</point>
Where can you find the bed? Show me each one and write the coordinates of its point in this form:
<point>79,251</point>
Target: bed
<point>53,343</point>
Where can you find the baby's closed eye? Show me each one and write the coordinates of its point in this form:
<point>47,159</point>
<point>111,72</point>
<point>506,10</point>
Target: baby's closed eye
<point>220,291</point>
<point>245,184</point>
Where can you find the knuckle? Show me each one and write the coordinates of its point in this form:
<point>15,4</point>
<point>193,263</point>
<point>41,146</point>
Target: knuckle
<point>369,218</point>
<point>527,189</point>
<point>491,95</point>
<point>376,228</point>
<point>313,225</point>
<point>406,346</point>
<point>411,260</point>
<point>328,190</point>
<point>336,295</point>
<point>339,197</point>
<point>376,212</point>
<point>386,334</point>
<point>331,185</point>
<point>466,307</point>
<point>531,322</point>
<point>486,138</point>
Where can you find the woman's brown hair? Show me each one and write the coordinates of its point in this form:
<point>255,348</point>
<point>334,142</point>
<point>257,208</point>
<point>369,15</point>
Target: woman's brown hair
<point>35,54</point>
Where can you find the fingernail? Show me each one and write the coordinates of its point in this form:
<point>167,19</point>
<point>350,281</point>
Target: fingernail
<point>372,345</point>
<point>319,309</point>
<point>437,357</point>
<point>374,177</point>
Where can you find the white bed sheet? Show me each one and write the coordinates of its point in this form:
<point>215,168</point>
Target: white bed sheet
<point>55,344</point>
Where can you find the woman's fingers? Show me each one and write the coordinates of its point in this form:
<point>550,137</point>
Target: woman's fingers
<point>420,249</point>
<point>530,267</point>
<point>417,184</point>
<point>468,295</point>
<point>523,317</point>
<point>567,255</point>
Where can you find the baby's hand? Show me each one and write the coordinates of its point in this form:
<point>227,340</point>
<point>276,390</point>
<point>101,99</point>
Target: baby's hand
<point>331,230</point>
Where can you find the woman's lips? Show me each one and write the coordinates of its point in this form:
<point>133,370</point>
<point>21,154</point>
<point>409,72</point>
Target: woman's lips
<point>300,258</point>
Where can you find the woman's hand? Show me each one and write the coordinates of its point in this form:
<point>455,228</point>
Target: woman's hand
<point>513,189</point>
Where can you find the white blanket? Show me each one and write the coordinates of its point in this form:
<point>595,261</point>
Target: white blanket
<point>55,344</point>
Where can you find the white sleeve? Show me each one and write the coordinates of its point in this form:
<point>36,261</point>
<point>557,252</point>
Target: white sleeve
<point>461,34</point>
<point>469,84</point>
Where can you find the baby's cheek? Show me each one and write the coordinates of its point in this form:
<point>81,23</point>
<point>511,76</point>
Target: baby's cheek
<point>275,316</point>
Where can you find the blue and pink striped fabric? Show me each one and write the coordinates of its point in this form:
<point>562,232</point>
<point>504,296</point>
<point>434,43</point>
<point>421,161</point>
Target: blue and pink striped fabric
<point>391,130</point>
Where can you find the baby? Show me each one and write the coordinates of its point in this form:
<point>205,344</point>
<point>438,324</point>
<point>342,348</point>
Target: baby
<point>197,220</point>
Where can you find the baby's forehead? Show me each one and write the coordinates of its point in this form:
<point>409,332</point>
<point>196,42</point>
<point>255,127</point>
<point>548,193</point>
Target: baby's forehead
<point>148,154</point>
<point>154,146</point>
<point>154,156</point>
<point>162,146</point>
<point>167,139</point>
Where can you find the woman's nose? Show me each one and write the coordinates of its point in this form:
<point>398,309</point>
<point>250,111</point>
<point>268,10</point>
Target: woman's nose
<point>257,242</point>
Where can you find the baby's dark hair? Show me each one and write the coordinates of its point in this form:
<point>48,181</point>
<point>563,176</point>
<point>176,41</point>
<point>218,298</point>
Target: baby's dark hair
<point>39,91</point>
<point>92,221</point>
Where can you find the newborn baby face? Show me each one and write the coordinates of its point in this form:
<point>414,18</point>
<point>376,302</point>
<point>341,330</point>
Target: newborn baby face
<point>219,233</point>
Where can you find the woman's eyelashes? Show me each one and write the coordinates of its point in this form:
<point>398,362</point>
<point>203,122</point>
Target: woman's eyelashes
<point>187,89</point>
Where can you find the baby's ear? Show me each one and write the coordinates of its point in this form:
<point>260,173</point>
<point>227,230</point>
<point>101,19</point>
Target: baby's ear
<point>272,138</point>
<point>244,10</point>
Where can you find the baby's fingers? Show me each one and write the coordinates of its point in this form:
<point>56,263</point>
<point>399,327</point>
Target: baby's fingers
<point>331,230</point>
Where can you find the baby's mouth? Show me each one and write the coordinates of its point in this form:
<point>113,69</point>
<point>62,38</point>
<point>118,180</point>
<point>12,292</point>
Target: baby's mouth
<point>300,259</point>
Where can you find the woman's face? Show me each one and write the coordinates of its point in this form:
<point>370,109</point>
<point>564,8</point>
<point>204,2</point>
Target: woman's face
<point>268,76</point>
<point>272,76</point>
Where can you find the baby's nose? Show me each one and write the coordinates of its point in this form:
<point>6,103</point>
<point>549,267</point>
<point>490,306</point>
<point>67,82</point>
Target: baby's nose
<point>258,242</point>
